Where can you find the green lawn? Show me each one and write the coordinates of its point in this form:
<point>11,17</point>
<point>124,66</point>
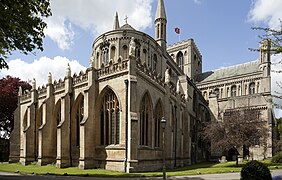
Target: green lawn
<point>205,168</point>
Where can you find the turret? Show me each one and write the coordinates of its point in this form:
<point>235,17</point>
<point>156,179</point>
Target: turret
<point>264,57</point>
<point>116,22</point>
<point>160,24</point>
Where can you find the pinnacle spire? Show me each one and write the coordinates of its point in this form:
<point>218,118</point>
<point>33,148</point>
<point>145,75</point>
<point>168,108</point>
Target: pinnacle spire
<point>160,10</point>
<point>116,22</point>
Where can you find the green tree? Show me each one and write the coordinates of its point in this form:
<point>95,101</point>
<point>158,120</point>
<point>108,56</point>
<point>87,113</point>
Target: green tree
<point>22,26</point>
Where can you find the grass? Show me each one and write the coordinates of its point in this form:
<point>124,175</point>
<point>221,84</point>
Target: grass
<point>204,168</point>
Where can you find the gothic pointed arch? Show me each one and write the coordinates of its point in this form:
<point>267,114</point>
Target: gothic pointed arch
<point>39,117</point>
<point>233,91</point>
<point>180,60</point>
<point>57,112</point>
<point>78,114</point>
<point>158,114</point>
<point>109,117</point>
<point>25,123</point>
<point>146,120</point>
<point>252,88</point>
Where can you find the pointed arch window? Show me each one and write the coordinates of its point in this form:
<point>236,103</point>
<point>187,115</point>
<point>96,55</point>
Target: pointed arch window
<point>25,120</point>
<point>233,91</point>
<point>39,117</point>
<point>78,118</point>
<point>113,52</point>
<point>58,112</point>
<point>158,117</point>
<point>180,60</point>
<point>145,120</point>
<point>216,91</point>
<point>154,62</point>
<point>124,52</point>
<point>145,55</point>
<point>105,56</point>
<point>110,119</point>
<point>252,88</point>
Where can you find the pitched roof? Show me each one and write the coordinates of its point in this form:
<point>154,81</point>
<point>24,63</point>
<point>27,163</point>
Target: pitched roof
<point>237,70</point>
<point>127,26</point>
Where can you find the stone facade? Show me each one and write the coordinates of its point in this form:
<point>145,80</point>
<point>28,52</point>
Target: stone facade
<point>110,115</point>
<point>241,87</point>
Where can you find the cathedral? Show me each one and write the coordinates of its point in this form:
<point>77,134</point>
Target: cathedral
<point>138,101</point>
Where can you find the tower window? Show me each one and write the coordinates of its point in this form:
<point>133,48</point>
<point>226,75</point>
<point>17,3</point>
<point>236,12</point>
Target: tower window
<point>180,60</point>
<point>252,88</point>
<point>233,91</point>
<point>105,57</point>
<point>113,52</point>
<point>125,52</point>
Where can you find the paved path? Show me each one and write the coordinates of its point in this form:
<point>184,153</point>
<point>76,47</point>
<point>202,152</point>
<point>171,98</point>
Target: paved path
<point>225,176</point>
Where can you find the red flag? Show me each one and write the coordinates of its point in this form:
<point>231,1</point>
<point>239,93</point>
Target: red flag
<point>177,30</point>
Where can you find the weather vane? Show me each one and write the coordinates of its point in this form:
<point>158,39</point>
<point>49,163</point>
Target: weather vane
<point>125,19</point>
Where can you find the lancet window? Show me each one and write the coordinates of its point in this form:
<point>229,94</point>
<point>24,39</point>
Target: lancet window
<point>180,60</point>
<point>233,91</point>
<point>110,119</point>
<point>252,88</point>
<point>158,117</point>
<point>145,120</point>
<point>79,117</point>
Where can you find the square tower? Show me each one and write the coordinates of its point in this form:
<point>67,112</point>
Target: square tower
<point>188,57</point>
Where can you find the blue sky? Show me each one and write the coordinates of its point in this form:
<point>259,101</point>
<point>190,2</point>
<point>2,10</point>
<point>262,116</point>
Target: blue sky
<point>220,28</point>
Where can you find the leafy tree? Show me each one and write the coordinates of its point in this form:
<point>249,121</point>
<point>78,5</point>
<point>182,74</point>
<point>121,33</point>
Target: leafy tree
<point>275,38</point>
<point>21,26</point>
<point>9,87</point>
<point>237,129</point>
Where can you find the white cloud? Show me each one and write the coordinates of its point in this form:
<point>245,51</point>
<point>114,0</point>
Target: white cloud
<point>60,32</point>
<point>266,11</point>
<point>197,1</point>
<point>40,68</point>
<point>95,16</point>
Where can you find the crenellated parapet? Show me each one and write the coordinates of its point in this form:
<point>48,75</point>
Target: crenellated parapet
<point>112,68</point>
<point>79,79</point>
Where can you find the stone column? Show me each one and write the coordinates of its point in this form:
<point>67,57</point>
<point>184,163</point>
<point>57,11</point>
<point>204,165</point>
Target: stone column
<point>28,139</point>
<point>132,121</point>
<point>64,158</point>
<point>15,134</point>
<point>86,158</point>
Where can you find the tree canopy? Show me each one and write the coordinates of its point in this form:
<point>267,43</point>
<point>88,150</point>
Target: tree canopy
<point>22,26</point>
<point>9,87</point>
<point>237,129</point>
<point>274,36</point>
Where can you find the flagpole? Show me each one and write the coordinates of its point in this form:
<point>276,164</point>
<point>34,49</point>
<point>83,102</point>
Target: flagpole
<point>179,37</point>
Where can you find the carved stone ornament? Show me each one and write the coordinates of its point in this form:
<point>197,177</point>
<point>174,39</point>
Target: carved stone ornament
<point>132,47</point>
<point>167,76</point>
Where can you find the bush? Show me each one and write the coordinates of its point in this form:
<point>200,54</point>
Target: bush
<point>277,158</point>
<point>255,170</point>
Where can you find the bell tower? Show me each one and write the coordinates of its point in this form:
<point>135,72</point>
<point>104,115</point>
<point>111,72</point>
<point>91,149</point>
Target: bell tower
<point>160,24</point>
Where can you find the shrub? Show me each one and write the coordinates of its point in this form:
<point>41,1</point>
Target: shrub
<point>255,170</point>
<point>277,158</point>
